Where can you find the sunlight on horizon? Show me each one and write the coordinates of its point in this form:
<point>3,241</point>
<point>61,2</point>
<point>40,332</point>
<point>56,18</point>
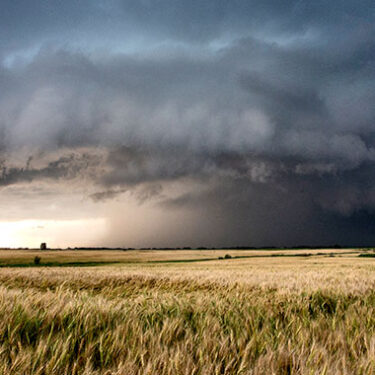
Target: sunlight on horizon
<point>56,233</point>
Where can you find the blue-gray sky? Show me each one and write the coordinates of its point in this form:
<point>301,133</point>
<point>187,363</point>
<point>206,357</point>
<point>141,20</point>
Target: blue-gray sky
<point>189,123</point>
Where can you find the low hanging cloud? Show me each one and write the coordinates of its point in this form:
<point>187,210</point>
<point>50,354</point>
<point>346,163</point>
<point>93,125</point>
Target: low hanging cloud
<point>258,116</point>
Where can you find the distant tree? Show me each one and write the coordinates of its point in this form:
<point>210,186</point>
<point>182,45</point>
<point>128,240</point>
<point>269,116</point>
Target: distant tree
<point>43,246</point>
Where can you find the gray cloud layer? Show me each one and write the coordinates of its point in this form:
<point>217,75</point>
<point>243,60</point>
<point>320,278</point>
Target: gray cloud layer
<point>276,120</point>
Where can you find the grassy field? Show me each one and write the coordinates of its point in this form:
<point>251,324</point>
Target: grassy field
<point>187,312</point>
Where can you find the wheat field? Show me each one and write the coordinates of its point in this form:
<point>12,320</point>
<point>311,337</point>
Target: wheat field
<point>187,312</point>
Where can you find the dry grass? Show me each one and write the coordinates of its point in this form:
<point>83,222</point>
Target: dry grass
<point>311,315</point>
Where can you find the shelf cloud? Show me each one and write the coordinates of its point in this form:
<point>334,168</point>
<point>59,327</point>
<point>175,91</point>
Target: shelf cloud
<point>255,118</point>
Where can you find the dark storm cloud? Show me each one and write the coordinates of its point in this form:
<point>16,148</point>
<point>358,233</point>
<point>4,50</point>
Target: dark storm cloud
<point>264,113</point>
<point>290,211</point>
<point>24,22</point>
<point>131,167</point>
<point>217,102</point>
<point>66,167</point>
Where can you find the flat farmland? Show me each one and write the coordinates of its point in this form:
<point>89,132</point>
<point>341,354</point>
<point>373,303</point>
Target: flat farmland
<point>187,312</point>
<point>61,257</point>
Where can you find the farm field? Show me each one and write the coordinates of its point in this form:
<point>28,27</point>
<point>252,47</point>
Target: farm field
<point>187,312</point>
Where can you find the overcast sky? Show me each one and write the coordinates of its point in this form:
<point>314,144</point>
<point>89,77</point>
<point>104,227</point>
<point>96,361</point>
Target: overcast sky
<point>187,123</point>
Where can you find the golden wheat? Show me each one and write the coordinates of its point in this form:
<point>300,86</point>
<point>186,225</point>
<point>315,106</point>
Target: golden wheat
<point>239,316</point>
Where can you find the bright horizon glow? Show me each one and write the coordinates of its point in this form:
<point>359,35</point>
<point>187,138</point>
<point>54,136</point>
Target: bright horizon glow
<point>56,233</point>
